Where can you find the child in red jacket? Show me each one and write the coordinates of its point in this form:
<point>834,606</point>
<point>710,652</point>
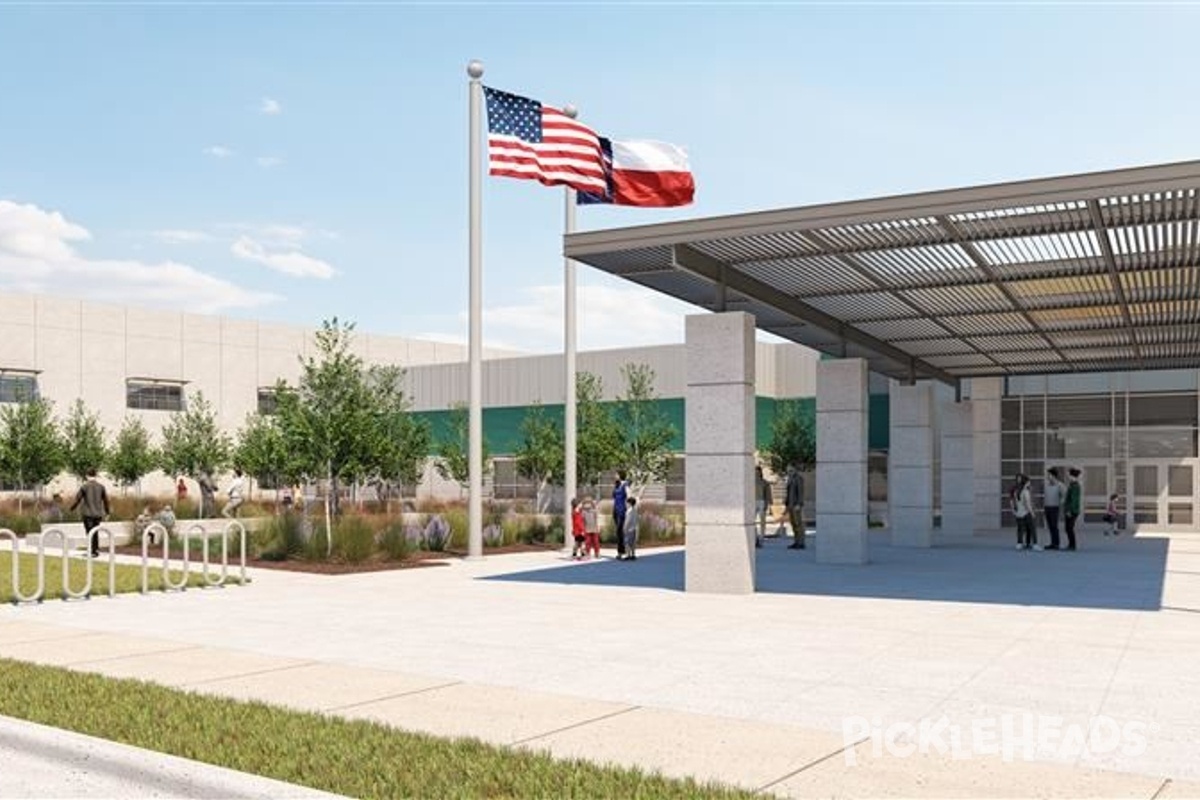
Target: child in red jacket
<point>577,530</point>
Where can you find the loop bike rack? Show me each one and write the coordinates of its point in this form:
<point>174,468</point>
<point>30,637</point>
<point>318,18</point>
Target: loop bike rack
<point>210,580</point>
<point>68,593</point>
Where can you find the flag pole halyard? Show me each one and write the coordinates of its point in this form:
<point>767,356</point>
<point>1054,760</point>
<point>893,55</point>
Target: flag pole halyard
<point>569,411</point>
<point>475,343</point>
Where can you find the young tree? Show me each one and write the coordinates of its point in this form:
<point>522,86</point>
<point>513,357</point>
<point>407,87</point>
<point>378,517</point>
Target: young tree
<point>31,449</point>
<point>598,447</point>
<point>793,438</point>
<point>261,450</point>
<point>83,440</point>
<point>453,453</point>
<point>193,442</point>
<point>540,455</point>
<point>401,441</point>
<point>331,421</point>
<point>132,456</point>
<point>645,431</point>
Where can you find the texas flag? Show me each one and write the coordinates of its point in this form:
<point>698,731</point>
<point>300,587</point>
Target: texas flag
<point>644,173</point>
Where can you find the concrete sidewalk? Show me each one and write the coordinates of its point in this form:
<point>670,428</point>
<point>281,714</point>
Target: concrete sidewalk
<point>609,661</point>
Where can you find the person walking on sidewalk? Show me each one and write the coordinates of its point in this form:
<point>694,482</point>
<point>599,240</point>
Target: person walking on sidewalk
<point>1073,505</point>
<point>94,499</point>
<point>237,490</point>
<point>794,500</point>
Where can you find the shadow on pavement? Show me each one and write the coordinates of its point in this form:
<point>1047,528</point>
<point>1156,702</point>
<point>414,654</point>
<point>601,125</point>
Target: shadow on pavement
<point>1119,573</point>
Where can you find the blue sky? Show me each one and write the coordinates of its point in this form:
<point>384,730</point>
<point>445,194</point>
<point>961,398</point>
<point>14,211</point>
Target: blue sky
<point>292,163</point>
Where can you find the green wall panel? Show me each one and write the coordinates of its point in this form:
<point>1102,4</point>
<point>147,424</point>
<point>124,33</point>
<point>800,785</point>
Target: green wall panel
<point>502,424</point>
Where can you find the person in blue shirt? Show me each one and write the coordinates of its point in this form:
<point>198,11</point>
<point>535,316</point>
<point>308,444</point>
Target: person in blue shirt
<point>620,496</point>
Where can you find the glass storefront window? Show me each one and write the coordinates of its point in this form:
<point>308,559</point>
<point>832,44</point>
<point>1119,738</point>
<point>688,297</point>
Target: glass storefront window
<point>1076,444</point>
<point>1010,414</point>
<point>1079,412</point>
<point>1163,409</point>
<point>1035,412</point>
<point>1162,443</point>
<point>1035,445</point>
<point>1179,480</point>
<point>1010,446</point>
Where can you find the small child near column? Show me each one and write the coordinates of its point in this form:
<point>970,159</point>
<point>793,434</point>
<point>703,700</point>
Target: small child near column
<point>577,529</point>
<point>631,530</point>
<point>1110,517</point>
<point>591,527</point>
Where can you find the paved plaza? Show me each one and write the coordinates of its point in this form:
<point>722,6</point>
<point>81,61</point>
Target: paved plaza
<point>613,661</point>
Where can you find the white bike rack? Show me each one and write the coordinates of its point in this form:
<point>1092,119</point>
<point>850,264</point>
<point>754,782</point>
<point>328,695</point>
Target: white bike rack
<point>18,597</point>
<point>67,592</point>
<point>211,581</point>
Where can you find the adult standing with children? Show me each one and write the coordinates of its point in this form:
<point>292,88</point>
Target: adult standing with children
<point>620,497</point>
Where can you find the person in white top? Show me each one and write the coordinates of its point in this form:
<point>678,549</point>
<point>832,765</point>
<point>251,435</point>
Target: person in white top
<point>1051,504</point>
<point>1023,511</point>
<point>237,490</point>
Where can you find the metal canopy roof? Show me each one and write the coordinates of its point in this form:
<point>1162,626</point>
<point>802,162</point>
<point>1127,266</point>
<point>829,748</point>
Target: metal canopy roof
<point>1099,271</point>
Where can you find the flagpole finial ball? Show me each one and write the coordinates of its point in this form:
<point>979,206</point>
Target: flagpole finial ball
<point>571,111</point>
<point>475,68</point>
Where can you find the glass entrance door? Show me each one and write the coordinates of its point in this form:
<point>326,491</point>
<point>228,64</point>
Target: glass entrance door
<point>1163,494</point>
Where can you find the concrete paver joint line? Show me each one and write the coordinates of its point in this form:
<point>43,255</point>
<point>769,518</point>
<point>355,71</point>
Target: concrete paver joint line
<point>811,764</point>
<point>395,696</point>
<point>250,674</point>
<point>1162,787</point>
<point>576,725</point>
<point>107,659</point>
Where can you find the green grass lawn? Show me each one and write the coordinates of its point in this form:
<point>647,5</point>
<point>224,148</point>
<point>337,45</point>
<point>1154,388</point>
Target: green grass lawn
<point>353,758</point>
<point>129,578</point>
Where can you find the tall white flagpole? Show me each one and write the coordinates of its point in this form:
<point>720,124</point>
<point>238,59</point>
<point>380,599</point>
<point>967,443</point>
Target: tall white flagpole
<point>569,411</point>
<point>475,346</point>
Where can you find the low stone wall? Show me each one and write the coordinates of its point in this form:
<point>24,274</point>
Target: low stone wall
<point>122,531</point>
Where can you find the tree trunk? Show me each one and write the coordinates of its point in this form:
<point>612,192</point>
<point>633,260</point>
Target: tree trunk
<point>330,496</point>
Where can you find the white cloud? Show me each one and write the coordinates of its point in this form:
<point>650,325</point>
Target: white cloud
<point>179,236</point>
<point>270,106</point>
<point>218,151</point>
<point>266,162</point>
<point>607,317</point>
<point>36,256</point>
<point>280,234</point>
<point>289,261</point>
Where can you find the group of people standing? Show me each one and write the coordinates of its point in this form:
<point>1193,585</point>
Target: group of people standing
<point>585,523</point>
<point>1059,502</point>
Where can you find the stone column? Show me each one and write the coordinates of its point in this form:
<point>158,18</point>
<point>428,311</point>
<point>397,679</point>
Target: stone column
<point>842,461</point>
<point>958,473</point>
<point>985,414</point>
<point>910,465</point>
<point>719,470</point>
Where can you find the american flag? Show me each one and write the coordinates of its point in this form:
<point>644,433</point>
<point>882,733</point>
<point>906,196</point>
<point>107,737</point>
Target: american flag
<point>529,140</point>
